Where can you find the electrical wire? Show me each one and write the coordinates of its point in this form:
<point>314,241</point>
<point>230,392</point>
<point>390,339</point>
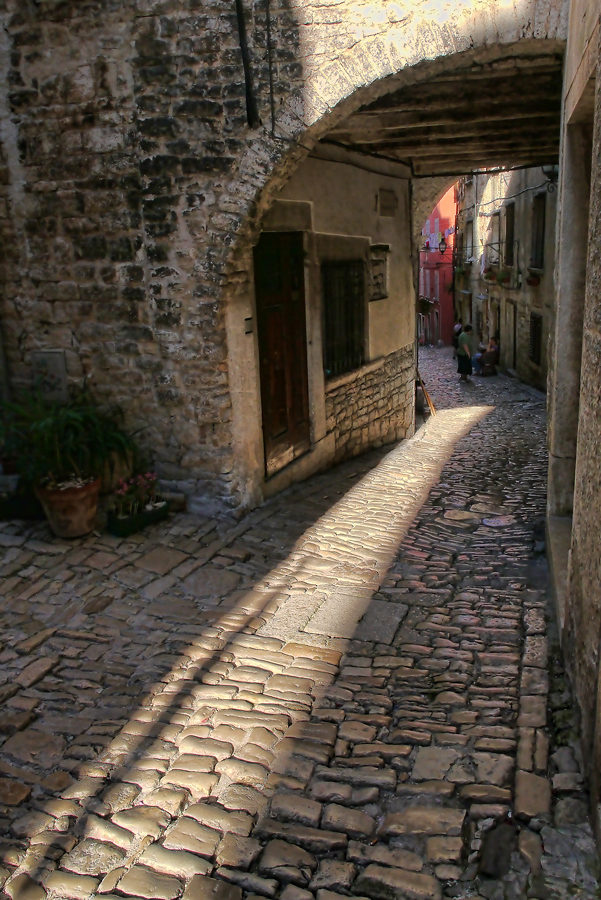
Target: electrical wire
<point>502,200</point>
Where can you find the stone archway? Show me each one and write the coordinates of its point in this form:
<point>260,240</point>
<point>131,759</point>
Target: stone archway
<point>497,62</point>
<point>144,193</point>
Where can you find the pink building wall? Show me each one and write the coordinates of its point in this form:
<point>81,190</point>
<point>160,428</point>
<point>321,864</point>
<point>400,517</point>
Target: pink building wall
<point>436,270</point>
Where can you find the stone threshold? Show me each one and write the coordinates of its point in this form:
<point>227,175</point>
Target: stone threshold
<point>559,541</point>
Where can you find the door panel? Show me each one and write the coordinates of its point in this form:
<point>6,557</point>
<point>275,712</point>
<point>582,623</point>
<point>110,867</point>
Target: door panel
<point>509,350</point>
<point>282,336</point>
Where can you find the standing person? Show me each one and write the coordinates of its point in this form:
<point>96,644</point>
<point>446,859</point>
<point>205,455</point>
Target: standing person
<point>464,353</point>
<point>456,333</point>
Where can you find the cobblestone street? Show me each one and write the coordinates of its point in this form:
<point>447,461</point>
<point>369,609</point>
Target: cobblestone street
<point>354,691</point>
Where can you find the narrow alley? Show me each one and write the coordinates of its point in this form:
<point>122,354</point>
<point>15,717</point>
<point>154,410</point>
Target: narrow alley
<point>356,690</point>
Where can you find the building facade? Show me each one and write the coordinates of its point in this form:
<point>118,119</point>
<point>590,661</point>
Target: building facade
<point>332,263</point>
<point>574,395</point>
<point>504,265</point>
<point>436,314</point>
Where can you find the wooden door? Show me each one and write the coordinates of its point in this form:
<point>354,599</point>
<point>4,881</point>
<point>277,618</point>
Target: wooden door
<point>282,335</point>
<point>510,336</point>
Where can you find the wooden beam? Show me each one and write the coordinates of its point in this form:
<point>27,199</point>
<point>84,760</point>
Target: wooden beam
<point>536,108</point>
<point>545,123</point>
<point>433,95</point>
<point>450,145</point>
<point>460,166</point>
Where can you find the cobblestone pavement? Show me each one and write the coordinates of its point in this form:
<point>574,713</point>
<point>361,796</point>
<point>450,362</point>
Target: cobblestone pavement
<point>354,691</point>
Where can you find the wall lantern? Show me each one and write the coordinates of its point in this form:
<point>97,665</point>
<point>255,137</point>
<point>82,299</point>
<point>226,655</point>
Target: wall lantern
<point>442,246</point>
<point>552,174</point>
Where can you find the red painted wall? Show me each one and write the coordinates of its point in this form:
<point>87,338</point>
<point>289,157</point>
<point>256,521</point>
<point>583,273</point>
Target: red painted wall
<point>431,262</point>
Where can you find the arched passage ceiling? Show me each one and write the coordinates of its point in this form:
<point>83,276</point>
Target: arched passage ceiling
<point>502,113</point>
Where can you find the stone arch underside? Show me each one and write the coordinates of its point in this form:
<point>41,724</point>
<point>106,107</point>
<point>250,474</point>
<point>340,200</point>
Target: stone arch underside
<point>269,162</point>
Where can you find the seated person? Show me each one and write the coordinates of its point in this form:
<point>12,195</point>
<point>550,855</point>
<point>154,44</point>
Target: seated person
<point>489,359</point>
<point>477,360</point>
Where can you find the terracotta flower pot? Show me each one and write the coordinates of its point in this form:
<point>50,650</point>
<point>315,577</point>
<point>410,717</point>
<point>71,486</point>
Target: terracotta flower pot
<point>70,512</point>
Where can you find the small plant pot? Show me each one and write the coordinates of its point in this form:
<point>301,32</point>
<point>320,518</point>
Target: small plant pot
<point>71,512</point>
<point>533,281</point>
<point>123,526</point>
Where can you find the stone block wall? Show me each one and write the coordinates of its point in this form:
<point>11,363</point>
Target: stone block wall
<point>118,127</point>
<point>582,629</point>
<point>373,406</point>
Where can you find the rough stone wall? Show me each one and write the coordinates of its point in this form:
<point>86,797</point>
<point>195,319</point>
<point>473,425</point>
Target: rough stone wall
<point>373,406</point>
<point>113,134</point>
<point>135,185</point>
<point>583,616</point>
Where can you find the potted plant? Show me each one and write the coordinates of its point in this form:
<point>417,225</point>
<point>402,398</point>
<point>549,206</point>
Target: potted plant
<point>533,280</point>
<point>425,305</point>
<point>61,449</point>
<point>503,277</point>
<point>137,502</point>
<point>460,270</point>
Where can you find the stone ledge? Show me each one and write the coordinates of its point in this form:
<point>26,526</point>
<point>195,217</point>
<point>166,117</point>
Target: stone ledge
<point>559,541</point>
<point>349,377</point>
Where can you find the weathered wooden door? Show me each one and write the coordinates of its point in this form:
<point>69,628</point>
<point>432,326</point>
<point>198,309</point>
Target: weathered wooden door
<point>509,350</point>
<point>282,335</point>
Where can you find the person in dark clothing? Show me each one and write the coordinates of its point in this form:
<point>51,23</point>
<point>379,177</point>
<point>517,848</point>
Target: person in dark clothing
<point>464,353</point>
<point>455,340</point>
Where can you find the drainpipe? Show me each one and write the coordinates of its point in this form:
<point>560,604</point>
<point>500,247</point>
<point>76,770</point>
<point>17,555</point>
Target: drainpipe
<point>252,112</point>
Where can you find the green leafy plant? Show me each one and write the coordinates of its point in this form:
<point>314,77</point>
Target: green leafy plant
<point>503,277</point>
<point>55,443</point>
<point>425,306</point>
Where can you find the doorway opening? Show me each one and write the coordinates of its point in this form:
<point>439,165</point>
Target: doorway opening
<point>282,338</point>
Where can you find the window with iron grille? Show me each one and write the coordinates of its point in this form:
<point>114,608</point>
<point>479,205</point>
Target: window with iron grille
<point>537,257</point>
<point>536,338</point>
<point>344,316</point>
<point>469,239</point>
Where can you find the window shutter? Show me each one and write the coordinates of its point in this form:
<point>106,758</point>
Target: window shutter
<point>536,338</point>
<point>537,257</point>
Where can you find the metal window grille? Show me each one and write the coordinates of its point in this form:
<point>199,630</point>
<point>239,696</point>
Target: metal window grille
<point>344,316</point>
<point>538,231</point>
<point>536,338</point>
<point>469,239</point>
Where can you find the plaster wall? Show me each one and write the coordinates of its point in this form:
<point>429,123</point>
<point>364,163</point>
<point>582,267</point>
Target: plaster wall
<point>345,202</point>
<point>335,204</point>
